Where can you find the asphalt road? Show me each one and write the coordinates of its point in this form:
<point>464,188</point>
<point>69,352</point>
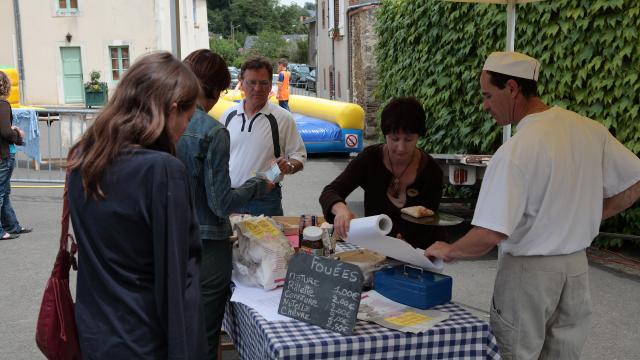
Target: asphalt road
<point>25,264</point>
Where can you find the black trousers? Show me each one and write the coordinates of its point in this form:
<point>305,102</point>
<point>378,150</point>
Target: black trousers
<point>215,277</point>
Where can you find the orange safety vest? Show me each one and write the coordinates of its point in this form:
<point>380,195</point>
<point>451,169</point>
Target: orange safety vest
<point>283,91</point>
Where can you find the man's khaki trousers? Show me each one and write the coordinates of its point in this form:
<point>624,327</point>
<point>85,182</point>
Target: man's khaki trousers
<point>541,306</point>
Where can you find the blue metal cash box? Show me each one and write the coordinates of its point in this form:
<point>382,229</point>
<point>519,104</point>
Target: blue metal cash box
<point>413,286</point>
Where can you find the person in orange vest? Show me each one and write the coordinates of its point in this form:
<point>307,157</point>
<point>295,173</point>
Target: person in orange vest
<point>283,84</point>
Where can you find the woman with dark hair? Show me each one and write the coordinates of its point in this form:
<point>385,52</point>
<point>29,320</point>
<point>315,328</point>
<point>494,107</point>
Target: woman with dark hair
<point>10,136</point>
<point>393,175</point>
<point>138,293</point>
<point>204,149</point>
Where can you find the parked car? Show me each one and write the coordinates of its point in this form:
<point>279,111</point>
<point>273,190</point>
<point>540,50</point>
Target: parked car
<point>310,81</point>
<point>299,75</point>
<point>234,72</point>
<point>292,66</point>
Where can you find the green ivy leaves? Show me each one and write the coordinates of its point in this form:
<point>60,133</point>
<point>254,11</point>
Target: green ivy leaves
<point>589,51</point>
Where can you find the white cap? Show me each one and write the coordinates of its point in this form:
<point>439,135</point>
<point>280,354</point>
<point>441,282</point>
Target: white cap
<point>514,64</point>
<point>312,233</point>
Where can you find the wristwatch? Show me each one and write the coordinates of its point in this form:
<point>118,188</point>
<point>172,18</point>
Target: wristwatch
<point>291,167</point>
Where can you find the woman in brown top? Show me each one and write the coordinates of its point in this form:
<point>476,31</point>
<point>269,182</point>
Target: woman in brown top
<point>10,136</point>
<point>393,175</point>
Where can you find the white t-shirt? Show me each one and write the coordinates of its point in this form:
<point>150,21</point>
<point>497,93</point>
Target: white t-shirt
<point>544,188</point>
<point>252,144</point>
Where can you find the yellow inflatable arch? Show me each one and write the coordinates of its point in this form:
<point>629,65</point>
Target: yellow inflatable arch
<point>346,115</point>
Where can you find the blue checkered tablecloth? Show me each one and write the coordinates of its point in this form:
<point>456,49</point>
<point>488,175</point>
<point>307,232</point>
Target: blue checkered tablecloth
<point>462,336</point>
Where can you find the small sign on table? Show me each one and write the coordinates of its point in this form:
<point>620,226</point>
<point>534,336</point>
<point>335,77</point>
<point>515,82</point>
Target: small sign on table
<point>322,292</point>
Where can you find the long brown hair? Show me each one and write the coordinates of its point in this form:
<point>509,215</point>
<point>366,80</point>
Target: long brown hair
<point>136,116</point>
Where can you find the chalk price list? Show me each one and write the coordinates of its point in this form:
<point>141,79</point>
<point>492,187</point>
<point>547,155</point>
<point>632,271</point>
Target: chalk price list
<point>322,292</point>
<point>343,304</point>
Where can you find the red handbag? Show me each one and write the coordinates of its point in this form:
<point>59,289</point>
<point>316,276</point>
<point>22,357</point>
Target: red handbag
<point>56,332</point>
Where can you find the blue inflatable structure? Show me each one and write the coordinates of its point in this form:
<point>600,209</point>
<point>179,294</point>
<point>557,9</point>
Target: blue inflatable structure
<point>326,126</point>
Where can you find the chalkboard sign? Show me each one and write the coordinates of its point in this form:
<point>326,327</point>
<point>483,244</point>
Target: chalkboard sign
<point>322,292</point>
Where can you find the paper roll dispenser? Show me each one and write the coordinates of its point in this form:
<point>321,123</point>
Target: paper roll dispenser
<point>413,286</point>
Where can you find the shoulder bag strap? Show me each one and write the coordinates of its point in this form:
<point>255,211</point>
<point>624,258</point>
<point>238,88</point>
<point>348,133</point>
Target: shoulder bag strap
<point>65,237</point>
<point>229,117</point>
<point>275,134</point>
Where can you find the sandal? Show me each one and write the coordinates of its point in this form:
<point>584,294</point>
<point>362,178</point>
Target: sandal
<point>8,236</point>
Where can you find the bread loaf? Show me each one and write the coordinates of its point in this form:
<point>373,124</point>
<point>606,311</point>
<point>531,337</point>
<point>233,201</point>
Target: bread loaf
<point>417,211</point>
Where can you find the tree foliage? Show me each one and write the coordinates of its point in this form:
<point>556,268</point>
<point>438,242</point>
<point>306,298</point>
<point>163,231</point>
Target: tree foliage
<point>434,50</point>
<point>273,46</point>
<point>301,53</point>
<point>254,16</point>
<point>270,44</point>
<point>226,48</point>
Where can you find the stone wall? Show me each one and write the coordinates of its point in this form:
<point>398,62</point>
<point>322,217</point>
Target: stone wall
<point>363,65</point>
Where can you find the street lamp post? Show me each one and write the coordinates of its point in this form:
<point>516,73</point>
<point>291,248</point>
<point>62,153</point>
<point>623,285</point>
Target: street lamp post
<point>174,11</point>
<point>233,38</point>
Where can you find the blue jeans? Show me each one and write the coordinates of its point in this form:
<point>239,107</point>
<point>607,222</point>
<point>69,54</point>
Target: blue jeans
<point>269,205</point>
<point>8,220</point>
<point>284,104</point>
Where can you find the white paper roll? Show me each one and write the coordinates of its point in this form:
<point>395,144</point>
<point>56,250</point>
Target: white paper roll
<point>370,226</point>
<point>371,233</point>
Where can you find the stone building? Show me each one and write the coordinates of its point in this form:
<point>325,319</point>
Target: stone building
<point>346,67</point>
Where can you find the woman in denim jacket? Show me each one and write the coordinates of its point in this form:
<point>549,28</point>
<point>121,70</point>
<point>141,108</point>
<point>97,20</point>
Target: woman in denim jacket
<point>10,136</point>
<point>204,149</point>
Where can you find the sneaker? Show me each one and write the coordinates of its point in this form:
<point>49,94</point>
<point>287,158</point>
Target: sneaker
<point>23,230</point>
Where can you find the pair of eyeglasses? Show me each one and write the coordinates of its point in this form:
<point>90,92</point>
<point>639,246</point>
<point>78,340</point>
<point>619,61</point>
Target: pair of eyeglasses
<point>261,83</point>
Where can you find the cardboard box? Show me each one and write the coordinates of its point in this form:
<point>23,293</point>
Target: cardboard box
<point>290,224</point>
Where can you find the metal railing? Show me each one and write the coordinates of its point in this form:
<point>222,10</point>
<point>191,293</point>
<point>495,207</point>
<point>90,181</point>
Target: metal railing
<point>306,88</point>
<point>59,129</point>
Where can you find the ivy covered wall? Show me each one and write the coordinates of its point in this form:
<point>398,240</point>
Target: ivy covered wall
<point>589,52</point>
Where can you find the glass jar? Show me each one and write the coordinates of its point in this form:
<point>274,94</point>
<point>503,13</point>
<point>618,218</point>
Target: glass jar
<point>312,241</point>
